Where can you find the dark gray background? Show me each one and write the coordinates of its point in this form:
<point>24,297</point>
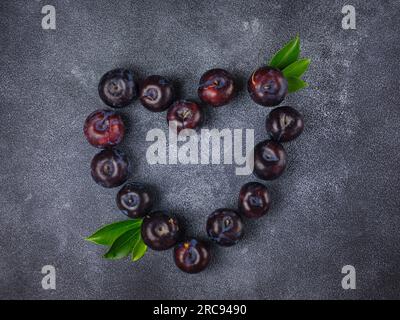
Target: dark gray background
<point>337,203</point>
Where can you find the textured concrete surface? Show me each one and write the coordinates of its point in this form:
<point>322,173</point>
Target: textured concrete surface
<point>337,203</point>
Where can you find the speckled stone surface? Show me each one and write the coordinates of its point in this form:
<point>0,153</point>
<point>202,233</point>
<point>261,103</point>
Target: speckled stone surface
<point>337,203</point>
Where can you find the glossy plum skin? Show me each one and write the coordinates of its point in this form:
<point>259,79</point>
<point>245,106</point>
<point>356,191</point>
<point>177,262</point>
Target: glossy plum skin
<point>225,227</point>
<point>216,87</point>
<point>117,88</point>
<point>185,114</point>
<point>254,200</point>
<point>160,231</point>
<point>284,124</point>
<point>110,168</point>
<point>134,200</point>
<point>156,93</point>
<point>104,128</point>
<point>267,86</point>
<point>192,256</point>
<point>269,160</point>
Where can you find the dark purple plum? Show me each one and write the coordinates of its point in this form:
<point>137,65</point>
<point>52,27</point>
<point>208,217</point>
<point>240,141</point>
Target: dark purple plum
<point>110,168</point>
<point>192,256</point>
<point>216,87</point>
<point>117,88</point>
<point>134,200</point>
<point>156,93</point>
<point>104,128</point>
<point>225,227</point>
<point>185,114</point>
<point>269,160</point>
<point>267,86</point>
<point>284,124</point>
<point>254,200</point>
<point>160,231</point>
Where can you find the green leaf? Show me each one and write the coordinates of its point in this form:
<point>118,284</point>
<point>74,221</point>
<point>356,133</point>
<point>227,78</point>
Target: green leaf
<point>296,69</point>
<point>123,246</point>
<point>109,233</point>
<point>287,55</point>
<point>139,249</point>
<point>295,84</point>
